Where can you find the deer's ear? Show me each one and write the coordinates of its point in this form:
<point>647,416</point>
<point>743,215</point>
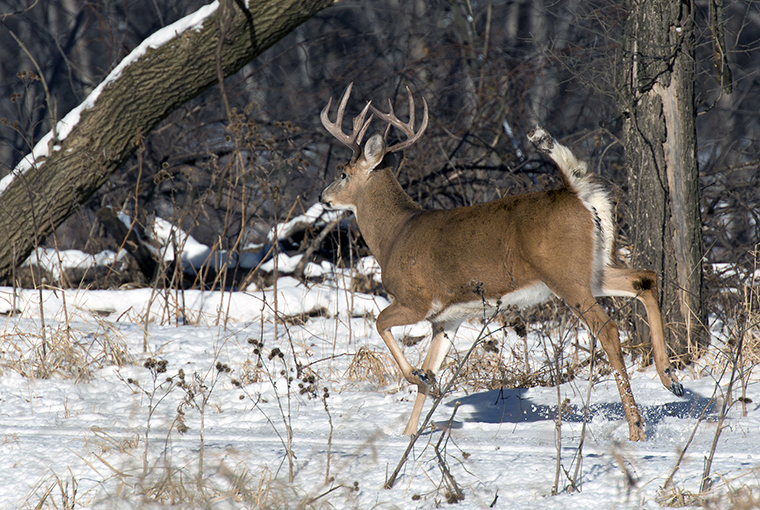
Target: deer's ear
<point>374,150</point>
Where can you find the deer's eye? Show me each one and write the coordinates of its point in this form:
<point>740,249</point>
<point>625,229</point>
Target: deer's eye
<point>344,175</point>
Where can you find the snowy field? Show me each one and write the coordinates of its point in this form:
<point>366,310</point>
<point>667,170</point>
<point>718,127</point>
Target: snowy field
<point>212,403</point>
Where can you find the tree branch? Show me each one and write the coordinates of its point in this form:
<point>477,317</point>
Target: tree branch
<point>128,108</point>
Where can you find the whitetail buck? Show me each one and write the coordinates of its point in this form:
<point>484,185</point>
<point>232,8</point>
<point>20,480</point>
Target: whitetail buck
<point>446,265</point>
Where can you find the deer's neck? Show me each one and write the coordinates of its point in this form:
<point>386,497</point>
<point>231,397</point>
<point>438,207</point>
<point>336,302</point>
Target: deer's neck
<point>382,212</point>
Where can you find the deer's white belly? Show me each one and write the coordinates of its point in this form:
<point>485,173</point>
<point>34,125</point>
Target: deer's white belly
<point>520,298</point>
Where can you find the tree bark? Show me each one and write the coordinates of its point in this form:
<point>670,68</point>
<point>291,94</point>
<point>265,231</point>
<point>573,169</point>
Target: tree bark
<point>657,99</point>
<point>145,93</point>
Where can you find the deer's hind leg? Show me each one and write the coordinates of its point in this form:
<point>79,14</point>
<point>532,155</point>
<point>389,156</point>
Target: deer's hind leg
<point>643,286</point>
<point>599,325</point>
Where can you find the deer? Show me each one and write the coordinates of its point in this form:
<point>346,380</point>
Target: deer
<point>444,266</point>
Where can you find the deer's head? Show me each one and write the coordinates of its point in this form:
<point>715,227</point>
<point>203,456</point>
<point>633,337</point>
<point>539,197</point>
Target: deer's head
<point>344,193</point>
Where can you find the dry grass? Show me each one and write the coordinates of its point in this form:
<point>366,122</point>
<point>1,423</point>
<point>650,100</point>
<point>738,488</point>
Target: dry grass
<point>740,291</point>
<point>501,361</point>
<point>489,371</point>
<point>751,309</point>
<point>743,497</point>
<point>372,367</point>
<point>486,371</point>
<point>60,352</point>
<point>675,497</point>
<point>251,372</point>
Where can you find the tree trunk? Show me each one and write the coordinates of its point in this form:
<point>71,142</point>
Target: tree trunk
<point>146,92</point>
<point>657,100</point>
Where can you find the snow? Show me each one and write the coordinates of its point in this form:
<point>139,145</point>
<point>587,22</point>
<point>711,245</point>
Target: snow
<point>42,149</point>
<point>55,261</point>
<point>168,240</point>
<point>89,424</point>
<point>315,213</point>
<point>174,240</point>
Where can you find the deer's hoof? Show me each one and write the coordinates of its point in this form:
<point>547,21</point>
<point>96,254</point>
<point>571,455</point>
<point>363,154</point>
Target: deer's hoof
<point>677,388</point>
<point>425,377</point>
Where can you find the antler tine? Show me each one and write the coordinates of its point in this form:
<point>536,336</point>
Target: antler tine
<point>390,114</point>
<point>411,107</point>
<point>335,128</point>
<point>408,127</point>
<point>360,125</point>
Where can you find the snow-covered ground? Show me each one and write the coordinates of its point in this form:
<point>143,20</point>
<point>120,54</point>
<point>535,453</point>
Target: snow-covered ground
<point>101,409</point>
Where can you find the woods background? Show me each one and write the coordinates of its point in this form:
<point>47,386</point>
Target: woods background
<point>237,159</point>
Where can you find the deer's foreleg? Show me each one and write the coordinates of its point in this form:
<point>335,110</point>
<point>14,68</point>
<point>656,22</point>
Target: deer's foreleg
<point>443,336</point>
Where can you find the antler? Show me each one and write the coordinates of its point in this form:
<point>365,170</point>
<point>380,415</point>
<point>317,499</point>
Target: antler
<point>360,125</point>
<point>407,128</point>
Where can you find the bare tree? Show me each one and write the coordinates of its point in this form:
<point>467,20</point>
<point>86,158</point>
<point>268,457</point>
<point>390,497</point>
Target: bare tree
<point>47,190</point>
<point>657,103</point>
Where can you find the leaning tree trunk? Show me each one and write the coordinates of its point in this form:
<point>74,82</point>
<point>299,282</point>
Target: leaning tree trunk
<point>657,102</point>
<point>126,110</point>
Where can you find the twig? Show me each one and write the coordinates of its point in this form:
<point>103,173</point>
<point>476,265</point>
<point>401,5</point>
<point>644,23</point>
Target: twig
<point>48,96</point>
<point>456,493</point>
<point>705,485</point>
<point>586,407</point>
<point>669,480</point>
<point>481,336</point>
<point>5,15</point>
<point>325,396</point>
<point>314,245</point>
<point>558,422</point>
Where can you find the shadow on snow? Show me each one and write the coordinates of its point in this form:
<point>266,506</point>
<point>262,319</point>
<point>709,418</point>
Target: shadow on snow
<point>512,406</point>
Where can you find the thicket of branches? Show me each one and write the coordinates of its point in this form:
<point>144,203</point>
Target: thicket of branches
<point>490,71</point>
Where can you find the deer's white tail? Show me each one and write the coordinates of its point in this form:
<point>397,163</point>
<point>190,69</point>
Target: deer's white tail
<point>591,191</point>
